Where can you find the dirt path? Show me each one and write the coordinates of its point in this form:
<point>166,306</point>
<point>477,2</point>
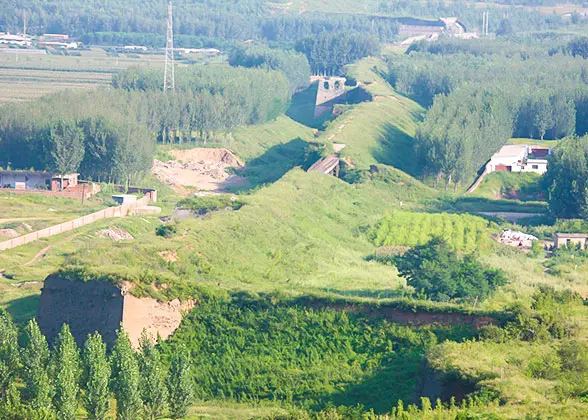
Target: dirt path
<point>40,255</point>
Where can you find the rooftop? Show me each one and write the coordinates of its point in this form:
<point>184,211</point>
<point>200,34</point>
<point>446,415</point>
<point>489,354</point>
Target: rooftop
<point>511,150</point>
<point>572,235</point>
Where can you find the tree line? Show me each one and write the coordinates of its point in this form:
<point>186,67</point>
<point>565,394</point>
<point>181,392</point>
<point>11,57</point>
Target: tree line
<point>243,19</point>
<point>110,135</point>
<point>328,53</point>
<point>295,66</point>
<point>59,381</point>
<point>567,179</point>
<point>479,99</point>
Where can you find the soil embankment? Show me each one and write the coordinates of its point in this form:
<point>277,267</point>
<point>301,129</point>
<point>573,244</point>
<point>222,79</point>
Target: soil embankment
<point>199,168</point>
<point>99,306</point>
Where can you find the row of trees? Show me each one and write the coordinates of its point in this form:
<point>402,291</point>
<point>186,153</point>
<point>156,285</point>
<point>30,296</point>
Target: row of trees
<point>294,65</point>
<point>328,53</point>
<point>244,19</point>
<point>59,381</point>
<point>111,134</point>
<point>479,97</point>
<point>567,179</point>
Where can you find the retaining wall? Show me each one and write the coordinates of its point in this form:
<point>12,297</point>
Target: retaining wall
<point>120,211</point>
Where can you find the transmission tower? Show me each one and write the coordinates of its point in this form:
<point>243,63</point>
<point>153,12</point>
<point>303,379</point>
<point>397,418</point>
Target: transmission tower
<point>169,76</point>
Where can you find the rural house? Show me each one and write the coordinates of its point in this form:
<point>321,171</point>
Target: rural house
<point>520,158</point>
<point>37,180</point>
<point>571,240</point>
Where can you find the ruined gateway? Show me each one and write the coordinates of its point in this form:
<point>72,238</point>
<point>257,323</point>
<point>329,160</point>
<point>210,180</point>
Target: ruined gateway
<point>103,307</point>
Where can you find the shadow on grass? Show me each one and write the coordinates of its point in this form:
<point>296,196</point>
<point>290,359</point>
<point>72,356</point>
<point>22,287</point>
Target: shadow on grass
<point>23,309</point>
<point>369,293</point>
<point>398,379</point>
<point>480,204</point>
<point>397,150</point>
<point>273,164</point>
<point>302,108</point>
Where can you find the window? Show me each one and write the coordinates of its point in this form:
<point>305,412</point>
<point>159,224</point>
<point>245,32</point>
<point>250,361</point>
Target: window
<point>535,166</point>
<point>326,86</point>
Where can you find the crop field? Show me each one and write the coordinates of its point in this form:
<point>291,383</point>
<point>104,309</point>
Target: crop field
<point>464,232</point>
<point>28,76</point>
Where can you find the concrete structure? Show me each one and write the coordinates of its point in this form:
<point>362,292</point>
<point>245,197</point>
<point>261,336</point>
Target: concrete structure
<point>520,158</point>
<point>19,40</point>
<point>417,27</point>
<point>330,89</point>
<point>125,198</point>
<point>328,166</point>
<point>37,180</point>
<point>578,240</point>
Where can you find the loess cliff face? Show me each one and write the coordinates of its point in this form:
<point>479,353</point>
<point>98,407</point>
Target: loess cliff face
<point>86,306</point>
<point>93,306</point>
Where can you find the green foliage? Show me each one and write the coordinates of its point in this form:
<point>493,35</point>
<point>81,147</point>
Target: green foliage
<point>567,178</point>
<point>206,204</point>
<point>463,232</point>
<point>65,142</point>
<point>96,378</point>
<point>294,65</point>
<point>328,53</point>
<point>35,370</point>
<point>180,383</point>
<point>436,269</point>
<point>152,380</point>
<point>125,378</point>
<point>65,361</point>
<point>9,352</point>
<point>253,348</point>
<point>167,230</point>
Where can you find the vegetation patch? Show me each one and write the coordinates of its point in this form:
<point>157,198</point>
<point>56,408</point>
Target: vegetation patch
<point>463,232</point>
<point>250,348</point>
<point>202,205</point>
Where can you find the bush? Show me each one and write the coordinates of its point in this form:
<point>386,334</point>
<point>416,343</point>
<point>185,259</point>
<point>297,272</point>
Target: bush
<point>208,204</point>
<point>436,269</point>
<point>166,231</point>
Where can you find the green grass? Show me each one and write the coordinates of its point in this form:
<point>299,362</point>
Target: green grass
<point>549,143</point>
<point>380,131</point>
<point>521,186</point>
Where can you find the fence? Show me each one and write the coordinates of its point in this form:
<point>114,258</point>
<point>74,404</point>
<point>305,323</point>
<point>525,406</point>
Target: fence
<point>82,191</point>
<point>120,211</point>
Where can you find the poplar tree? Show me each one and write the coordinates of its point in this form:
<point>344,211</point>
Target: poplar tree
<point>96,377</point>
<point>9,357</point>
<point>180,384</point>
<point>66,374</point>
<point>153,394</point>
<point>125,378</point>
<point>35,360</point>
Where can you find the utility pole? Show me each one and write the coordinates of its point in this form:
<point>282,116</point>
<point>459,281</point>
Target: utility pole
<point>169,76</point>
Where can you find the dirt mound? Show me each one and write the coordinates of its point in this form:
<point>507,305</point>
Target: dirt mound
<point>8,233</point>
<point>169,256</point>
<point>116,234</point>
<point>205,169</point>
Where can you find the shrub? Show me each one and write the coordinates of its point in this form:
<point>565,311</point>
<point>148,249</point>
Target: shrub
<point>166,231</point>
<point>208,204</point>
<point>437,270</point>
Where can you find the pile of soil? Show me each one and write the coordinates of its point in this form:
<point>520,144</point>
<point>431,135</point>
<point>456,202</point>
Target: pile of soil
<point>205,169</point>
<point>116,234</point>
<point>8,233</point>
